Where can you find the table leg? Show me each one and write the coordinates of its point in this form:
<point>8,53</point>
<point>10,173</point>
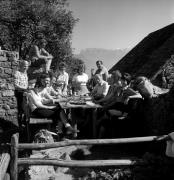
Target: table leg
<point>94,122</point>
<point>74,123</point>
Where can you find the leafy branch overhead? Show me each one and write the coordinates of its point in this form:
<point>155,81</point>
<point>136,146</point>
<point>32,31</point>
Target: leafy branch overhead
<point>22,21</point>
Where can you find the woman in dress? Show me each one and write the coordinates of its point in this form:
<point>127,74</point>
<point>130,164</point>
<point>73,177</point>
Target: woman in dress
<point>80,80</point>
<point>61,80</point>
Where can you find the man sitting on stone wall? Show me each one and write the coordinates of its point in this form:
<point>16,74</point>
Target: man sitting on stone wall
<point>39,56</point>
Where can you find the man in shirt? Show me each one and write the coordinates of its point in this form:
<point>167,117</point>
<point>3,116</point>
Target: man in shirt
<point>101,89</point>
<point>21,85</point>
<point>38,55</point>
<point>101,69</point>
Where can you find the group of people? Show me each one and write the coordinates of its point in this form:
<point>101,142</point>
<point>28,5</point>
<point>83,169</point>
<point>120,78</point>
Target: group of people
<point>111,91</point>
<point>41,99</point>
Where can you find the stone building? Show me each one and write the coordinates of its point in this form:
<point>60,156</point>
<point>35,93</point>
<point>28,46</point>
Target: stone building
<point>8,106</point>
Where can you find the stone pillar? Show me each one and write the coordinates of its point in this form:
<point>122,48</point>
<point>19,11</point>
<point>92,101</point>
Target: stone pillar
<point>8,104</point>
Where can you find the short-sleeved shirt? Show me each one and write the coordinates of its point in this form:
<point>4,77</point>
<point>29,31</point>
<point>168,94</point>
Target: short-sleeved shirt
<point>33,96</point>
<point>103,72</point>
<point>20,80</point>
<point>61,80</point>
<point>81,79</point>
<point>101,89</point>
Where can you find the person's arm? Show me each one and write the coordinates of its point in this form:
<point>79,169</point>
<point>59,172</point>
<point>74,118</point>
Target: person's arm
<point>46,53</point>
<point>53,92</point>
<point>132,94</point>
<point>37,103</point>
<point>37,53</point>
<point>106,74</point>
<point>47,98</point>
<point>66,84</point>
<point>94,91</point>
<point>106,99</point>
<point>105,89</point>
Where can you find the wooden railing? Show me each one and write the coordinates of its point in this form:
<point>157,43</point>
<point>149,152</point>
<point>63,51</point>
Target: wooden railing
<point>16,146</point>
<point>4,163</point>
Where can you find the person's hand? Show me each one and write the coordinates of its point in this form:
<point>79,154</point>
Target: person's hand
<point>51,107</point>
<point>50,56</point>
<point>126,100</point>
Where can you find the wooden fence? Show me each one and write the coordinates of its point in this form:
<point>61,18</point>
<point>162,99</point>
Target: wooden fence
<point>4,163</point>
<point>16,146</point>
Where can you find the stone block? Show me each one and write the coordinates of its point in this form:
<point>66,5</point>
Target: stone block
<point>6,107</point>
<point>2,83</point>
<point>1,70</point>
<point>2,53</point>
<point>2,58</point>
<point>10,86</point>
<point>8,93</point>
<point>5,64</point>
<point>5,76</point>
<point>12,111</point>
<point>8,71</point>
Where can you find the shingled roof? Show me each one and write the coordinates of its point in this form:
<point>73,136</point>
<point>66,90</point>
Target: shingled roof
<point>150,55</point>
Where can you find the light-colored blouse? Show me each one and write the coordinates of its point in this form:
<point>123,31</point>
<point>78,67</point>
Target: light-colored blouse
<point>20,80</point>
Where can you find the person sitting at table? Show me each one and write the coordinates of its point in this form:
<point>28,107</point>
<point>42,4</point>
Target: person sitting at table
<point>80,80</point>
<point>39,56</point>
<point>119,102</point>
<point>116,81</point>
<point>147,89</point>
<point>42,105</point>
<point>101,88</point>
<point>61,79</point>
<point>47,83</point>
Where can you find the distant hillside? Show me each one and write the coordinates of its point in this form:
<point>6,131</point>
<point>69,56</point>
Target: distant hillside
<point>109,57</point>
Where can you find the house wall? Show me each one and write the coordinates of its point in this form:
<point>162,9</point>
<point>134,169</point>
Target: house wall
<point>8,105</point>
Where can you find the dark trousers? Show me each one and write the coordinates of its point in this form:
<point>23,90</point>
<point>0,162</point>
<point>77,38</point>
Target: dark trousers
<point>50,113</point>
<point>19,98</point>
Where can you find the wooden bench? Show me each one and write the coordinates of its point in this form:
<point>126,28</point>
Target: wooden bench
<point>30,119</point>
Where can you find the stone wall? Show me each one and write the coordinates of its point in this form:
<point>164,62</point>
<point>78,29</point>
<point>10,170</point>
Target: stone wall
<point>8,105</point>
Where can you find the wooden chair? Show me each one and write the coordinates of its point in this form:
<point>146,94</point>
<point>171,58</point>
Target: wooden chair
<point>30,119</point>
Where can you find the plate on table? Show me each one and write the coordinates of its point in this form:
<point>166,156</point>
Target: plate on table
<point>77,102</point>
<point>88,98</point>
<point>90,103</point>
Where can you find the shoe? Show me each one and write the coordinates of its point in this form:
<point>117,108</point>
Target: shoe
<point>71,130</point>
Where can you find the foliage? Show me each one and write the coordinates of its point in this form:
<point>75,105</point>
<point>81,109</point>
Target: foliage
<point>22,21</point>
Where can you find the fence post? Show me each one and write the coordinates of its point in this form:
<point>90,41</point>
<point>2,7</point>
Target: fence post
<point>14,157</point>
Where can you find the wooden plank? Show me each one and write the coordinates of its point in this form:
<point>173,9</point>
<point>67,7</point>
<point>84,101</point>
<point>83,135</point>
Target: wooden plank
<point>91,142</point>
<point>40,120</point>
<point>14,157</point>
<point>79,163</point>
<point>4,163</point>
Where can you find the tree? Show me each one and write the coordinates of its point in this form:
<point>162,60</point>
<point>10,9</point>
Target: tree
<point>22,21</point>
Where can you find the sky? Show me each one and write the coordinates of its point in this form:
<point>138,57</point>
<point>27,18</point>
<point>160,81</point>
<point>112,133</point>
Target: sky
<point>113,24</point>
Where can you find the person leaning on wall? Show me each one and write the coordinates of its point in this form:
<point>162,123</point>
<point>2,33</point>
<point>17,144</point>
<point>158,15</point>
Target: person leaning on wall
<point>21,85</point>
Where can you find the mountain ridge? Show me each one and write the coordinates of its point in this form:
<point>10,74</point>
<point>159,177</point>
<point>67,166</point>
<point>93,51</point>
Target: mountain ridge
<point>108,56</point>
